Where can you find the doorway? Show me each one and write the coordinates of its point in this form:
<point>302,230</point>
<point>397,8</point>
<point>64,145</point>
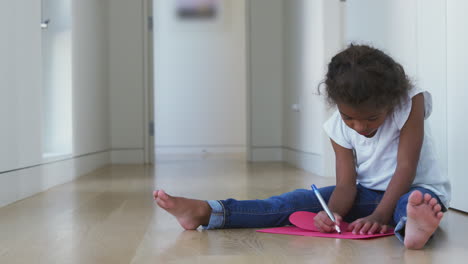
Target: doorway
<point>199,80</point>
<point>57,82</point>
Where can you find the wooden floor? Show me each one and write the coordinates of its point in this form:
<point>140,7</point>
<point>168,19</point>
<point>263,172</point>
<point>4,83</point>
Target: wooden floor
<point>109,217</point>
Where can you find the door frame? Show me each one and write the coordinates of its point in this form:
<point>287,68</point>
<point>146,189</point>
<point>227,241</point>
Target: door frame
<point>148,82</point>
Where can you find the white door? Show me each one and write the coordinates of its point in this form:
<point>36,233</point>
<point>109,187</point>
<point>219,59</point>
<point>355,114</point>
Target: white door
<point>200,78</point>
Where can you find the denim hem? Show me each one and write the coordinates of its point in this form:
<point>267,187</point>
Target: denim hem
<point>400,229</point>
<point>217,215</point>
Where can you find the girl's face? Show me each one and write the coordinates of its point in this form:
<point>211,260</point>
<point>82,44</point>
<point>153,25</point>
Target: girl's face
<point>363,119</point>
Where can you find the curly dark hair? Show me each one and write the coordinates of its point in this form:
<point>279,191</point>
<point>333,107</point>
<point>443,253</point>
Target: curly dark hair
<point>363,74</point>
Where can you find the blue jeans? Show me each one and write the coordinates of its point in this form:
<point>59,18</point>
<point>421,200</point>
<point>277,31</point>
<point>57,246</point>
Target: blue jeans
<point>275,211</point>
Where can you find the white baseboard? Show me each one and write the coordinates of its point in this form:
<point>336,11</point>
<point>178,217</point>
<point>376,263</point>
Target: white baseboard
<point>127,156</point>
<point>21,183</point>
<point>165,153</point>
<point>311,162</point>
<point>266,154</point>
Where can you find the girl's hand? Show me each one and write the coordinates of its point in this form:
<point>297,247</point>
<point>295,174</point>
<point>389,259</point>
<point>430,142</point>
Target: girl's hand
<point>324,224</point>
<point>368,225</point>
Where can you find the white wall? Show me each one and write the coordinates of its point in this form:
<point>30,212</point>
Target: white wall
<point>388,25</point>
<point>291,43</point>
<point>90,76</point>
<point>428,38</point>
<point>413,32</point>
<point>20,90</point>
<point>313,33</point>
<point>23,172</point>
<point>266,71</point>
<point>457,82</point>
<point>126,83</point>
<point>200,81</point>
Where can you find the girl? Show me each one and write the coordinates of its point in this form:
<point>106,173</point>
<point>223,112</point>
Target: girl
<point>386,169</point>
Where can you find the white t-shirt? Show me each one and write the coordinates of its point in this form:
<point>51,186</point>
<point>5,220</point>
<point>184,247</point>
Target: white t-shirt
<point>376,157</point>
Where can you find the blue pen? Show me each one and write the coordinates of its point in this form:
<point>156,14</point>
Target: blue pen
<point>325,207</point>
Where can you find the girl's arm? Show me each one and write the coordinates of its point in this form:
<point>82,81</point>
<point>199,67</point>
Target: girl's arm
<point>409,149</point>
<point>343,196</point>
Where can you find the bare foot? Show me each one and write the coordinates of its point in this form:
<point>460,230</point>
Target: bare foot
<point>424,216</point>
<point>190,213</point>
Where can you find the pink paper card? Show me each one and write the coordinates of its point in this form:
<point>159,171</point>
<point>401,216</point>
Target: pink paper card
<point>304,226</point>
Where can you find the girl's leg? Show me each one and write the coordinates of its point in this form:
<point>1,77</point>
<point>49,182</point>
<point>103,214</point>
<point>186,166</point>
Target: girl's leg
<point>364,204</point>
<point>190,213</point>
<point>274,211</point>
<point>271,212</point>
<point>417,216</point>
